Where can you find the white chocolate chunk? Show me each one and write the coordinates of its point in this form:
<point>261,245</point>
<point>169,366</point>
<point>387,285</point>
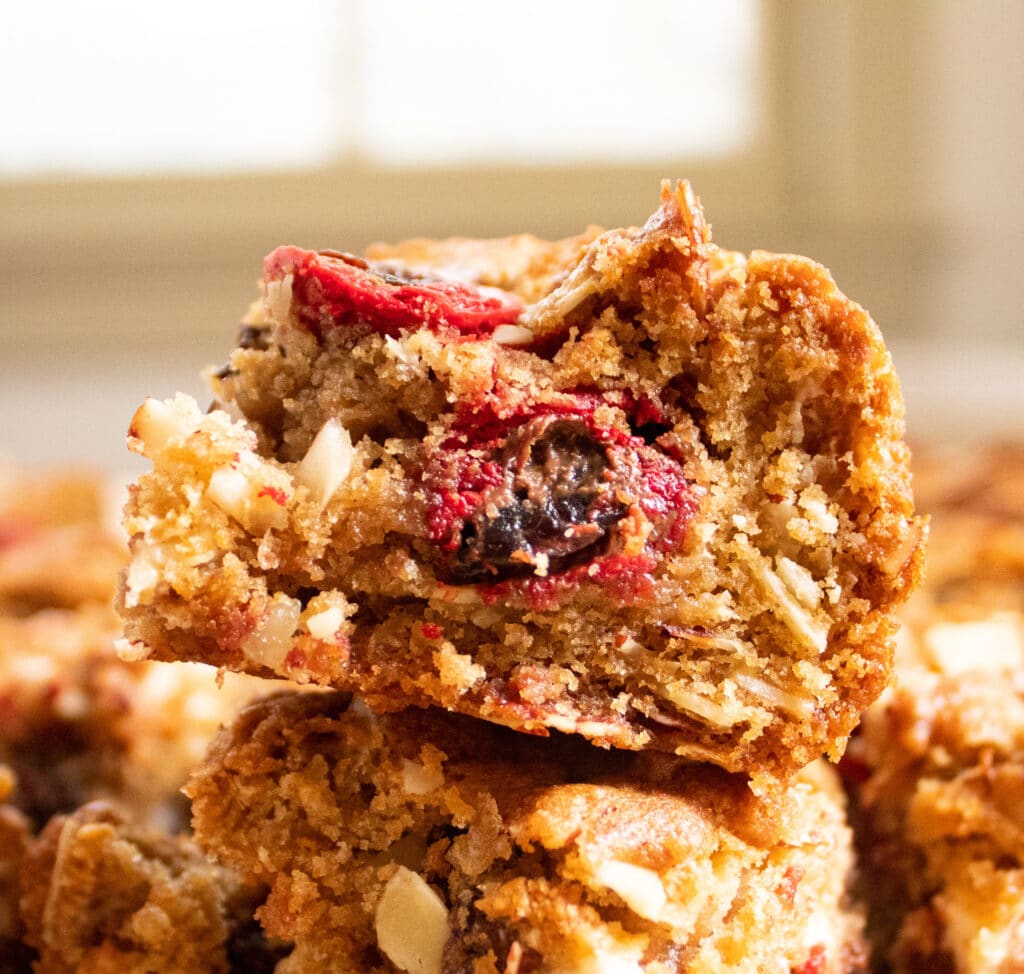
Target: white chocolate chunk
<point>154,424</point>
<point>325,625</point>
<point>327,462</point>
<point>411,924</point>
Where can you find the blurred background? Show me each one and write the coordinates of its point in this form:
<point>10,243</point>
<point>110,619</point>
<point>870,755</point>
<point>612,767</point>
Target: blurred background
<point>152,154</point>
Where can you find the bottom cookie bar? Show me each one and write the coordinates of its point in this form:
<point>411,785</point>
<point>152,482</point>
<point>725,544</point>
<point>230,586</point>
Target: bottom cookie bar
<point>101,894</point>
<point>433,843</point>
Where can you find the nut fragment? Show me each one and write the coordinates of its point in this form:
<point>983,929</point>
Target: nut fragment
<point>252,492</point>
<point>411,923</point>
<point>420,780</point>
<point>158,421</point>
<point>327,462</point>
<point>512,335</point>
<point>640,888</point>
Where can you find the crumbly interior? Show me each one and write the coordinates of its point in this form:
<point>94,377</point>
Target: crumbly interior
<point>668,506</point>
<point>937,770</point>
<point>104,896</point>
<point>431,842</point>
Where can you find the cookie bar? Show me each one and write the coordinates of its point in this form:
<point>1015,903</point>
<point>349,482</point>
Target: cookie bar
<point>104,895</point>
<point>77,723</point>
<point>626,485</point>
<point>944,841</point>
<point>425,841</point>
<point>56,549</point>
<point>937,769</point>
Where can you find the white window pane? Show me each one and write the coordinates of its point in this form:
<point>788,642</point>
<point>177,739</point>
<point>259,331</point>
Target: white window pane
<point>454,80</point>
<point>123,85</point>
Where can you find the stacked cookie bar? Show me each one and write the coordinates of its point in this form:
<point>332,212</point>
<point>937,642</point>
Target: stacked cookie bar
<point>594,546</point>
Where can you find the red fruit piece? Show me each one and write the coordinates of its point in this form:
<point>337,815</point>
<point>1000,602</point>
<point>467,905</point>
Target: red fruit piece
<point>542,493</point>
<point>332,289</point>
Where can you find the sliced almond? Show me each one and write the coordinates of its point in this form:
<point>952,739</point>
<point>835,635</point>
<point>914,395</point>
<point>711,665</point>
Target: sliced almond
<point>800,582</point>
<point>810,631</point>
<point>512,335</point>
<point>279,298</point>
<point>796,704</point>
<point>680,694</point>
<point>411,923</point>
<point>639,888</point>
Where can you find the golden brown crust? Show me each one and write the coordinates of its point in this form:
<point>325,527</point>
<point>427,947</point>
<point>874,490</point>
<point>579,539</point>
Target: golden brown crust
<point>740,424</point>
<point>523,264</point>
<point>547,855</point>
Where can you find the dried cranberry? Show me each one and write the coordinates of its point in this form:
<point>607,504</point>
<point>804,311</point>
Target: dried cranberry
<point>332,290</point>
<point>540,494</point>
<point>553,501</point>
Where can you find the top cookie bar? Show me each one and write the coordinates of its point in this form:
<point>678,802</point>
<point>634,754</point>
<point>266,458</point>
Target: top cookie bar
<point>627,485</point>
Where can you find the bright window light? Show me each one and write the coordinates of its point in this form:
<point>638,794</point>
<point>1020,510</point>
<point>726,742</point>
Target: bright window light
<point>535,81</point>
<point>122,87</point>
<point>119,86</point>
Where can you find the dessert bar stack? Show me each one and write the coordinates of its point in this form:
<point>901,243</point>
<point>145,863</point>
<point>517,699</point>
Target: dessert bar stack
<point>605,536</point>
<point>593,547</point>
